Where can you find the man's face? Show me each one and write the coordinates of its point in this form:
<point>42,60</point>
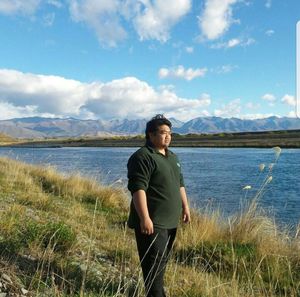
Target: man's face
<point>162,137</point>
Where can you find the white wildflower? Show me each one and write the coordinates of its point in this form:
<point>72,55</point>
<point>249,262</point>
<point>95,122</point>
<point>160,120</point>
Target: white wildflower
<point>262,167</point>
<point>247,188</point>
<point>269,179</point>
<point>277,151</point>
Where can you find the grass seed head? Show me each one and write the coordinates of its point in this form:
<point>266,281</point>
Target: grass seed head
<point>277,151</point>
<point>247,187</point>
<point>262,167</point>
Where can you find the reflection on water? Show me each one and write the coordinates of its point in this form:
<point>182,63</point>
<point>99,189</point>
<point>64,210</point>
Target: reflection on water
<point>213,176</point>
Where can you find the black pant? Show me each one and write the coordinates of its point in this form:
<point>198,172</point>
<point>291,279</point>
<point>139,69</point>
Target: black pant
<point>154,251</point>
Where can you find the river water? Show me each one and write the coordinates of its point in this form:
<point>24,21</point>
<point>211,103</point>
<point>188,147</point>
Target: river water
<point>214,177</point>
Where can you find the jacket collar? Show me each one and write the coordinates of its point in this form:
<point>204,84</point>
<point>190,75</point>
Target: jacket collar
<point>154,150</point>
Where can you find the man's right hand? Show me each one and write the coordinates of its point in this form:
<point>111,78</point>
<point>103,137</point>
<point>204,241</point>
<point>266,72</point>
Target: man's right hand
<point>147,226</point>
<point>140,204</point>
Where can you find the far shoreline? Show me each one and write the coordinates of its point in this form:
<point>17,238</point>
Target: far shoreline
<point>261,139</point>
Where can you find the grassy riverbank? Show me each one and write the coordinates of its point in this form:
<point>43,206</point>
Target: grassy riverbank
<point>269,139</point>
<point>65,236</point>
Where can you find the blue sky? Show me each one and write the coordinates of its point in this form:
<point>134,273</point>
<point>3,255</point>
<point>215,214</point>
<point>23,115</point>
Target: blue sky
<point>135,58</point>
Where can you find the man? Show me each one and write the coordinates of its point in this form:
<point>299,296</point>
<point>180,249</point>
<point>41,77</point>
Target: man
<point>158,200</point>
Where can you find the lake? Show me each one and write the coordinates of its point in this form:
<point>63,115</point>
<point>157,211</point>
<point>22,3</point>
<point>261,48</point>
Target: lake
<point>214,177</point>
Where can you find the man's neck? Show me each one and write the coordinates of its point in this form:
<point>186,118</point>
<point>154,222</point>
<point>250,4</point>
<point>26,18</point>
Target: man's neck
<point>162,151</point>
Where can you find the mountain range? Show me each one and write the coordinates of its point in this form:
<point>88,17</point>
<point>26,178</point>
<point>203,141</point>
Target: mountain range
<point>38,127</point>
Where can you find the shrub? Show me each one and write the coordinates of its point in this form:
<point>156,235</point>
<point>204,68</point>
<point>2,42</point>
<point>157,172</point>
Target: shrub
<point>222,257</point>
<point>58,236</point>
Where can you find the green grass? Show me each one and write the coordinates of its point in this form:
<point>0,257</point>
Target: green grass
<point>65,236</point>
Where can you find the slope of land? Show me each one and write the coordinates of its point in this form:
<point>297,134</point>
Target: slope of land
<point>284,139</point>
<point>5,139</point>
<point>66,236</point>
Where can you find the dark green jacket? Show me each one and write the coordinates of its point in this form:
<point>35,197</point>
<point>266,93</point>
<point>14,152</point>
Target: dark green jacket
<point>160,177</point>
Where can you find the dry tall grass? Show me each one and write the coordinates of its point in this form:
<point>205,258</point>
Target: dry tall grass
<point>41,210</point>
<point>65,236</point>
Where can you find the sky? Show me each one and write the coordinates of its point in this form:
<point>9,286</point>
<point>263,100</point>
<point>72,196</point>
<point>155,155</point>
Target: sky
<point>116,59</point>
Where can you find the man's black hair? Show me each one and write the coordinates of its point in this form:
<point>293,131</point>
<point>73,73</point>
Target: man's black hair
<point>154,123</point>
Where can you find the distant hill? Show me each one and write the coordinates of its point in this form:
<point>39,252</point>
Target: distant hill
<point>37,127</point>
<point>218,125</point>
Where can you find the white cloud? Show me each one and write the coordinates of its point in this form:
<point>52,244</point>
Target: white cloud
<point>253,106</point>
<point>49,94</point>
<point>55,3</point>
<point>224,69</point>
<point>268,4</point>
<point>11,7</point>
<point>248,42</point>
<point>26,94</point>
<point>269,32</point>
<point>189,49</point>
<point>269,97</point>
<point>232,109</point>
<point>155,19</point>
<point>102,16</point>
<point>216,18</point>
<point>9,111</point>
<point>234,42</point>
<point>166,87</point>
<point>204,113</point>
<point>255,116</point>
<point>150,19</point>
<point>292,114</point>
<point>132,98</point>
<point>182,73</point>
<point>192,110</point>
<point>289,100</point>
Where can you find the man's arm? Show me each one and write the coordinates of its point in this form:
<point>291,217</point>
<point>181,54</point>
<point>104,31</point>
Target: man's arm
<point>186,215</point>
<point>140,204</point>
